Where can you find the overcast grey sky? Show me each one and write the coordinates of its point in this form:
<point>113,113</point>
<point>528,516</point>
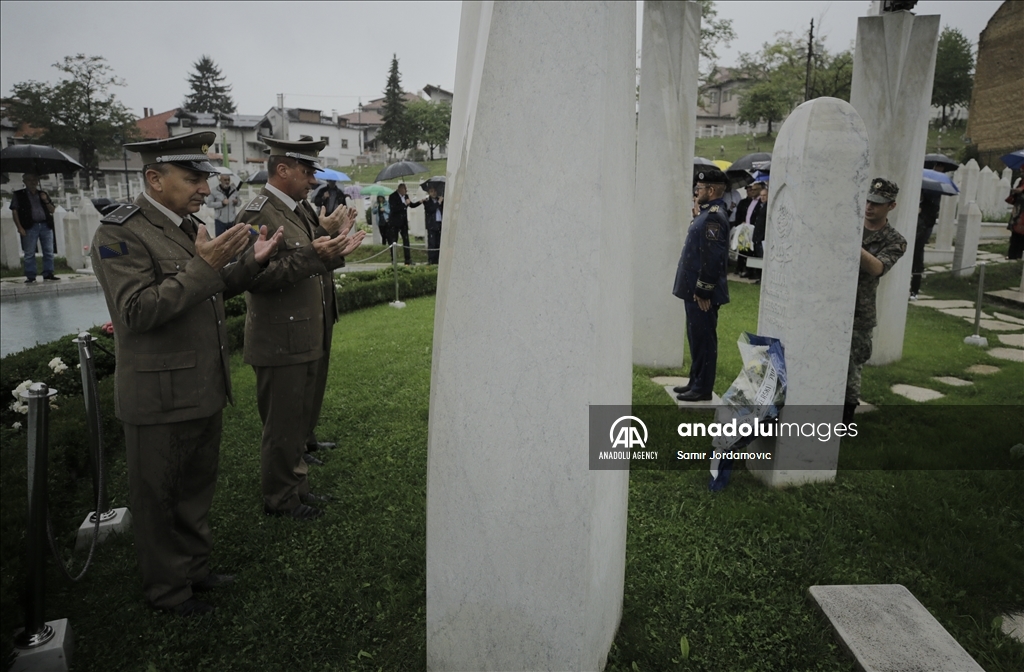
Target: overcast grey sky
<point>328,55</point>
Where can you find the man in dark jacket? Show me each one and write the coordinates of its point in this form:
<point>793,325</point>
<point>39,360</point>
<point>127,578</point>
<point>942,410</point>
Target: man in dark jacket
<point>399,203</point>
<point>33,215</point>
<point>433,208</point>
<point>701,283</point>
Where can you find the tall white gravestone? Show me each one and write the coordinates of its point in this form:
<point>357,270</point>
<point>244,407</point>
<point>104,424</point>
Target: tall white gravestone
<point>968,231</point>
<point>812,257</point>
<point>664,164</point>
<point>526,545</point>
<point>946,229</point>
<point>893,69</point>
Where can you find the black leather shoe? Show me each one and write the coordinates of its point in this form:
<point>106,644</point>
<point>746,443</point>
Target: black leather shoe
<point>213,581</point>
<point>51,277</point>
<point>29,281</point>
<point>312,498</point>
<point>694,396</point>
<point>300,512</point>
<point>311,460</point>
<point>190,608</point>
<point>324,445</point>
<point>681,389</point>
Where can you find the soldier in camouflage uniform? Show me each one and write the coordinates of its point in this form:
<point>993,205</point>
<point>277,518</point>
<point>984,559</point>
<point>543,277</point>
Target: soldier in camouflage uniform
<point>881,247</point>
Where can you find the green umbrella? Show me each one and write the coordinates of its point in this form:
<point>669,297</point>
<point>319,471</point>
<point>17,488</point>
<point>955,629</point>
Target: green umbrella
<point>376,190</point>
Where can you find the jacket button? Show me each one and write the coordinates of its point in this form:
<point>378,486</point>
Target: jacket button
<point>291,318</point>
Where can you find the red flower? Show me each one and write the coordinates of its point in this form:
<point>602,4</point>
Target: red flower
<point>108,328</point>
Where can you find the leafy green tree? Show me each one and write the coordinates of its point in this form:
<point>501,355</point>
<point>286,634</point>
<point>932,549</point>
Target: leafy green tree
<point>209,93</point>
<point>395,131</point>
<point>954,71</point>
<point>429,123</point>
<point>779,78</point>
<point>78,112</point>
<point>713,31</point>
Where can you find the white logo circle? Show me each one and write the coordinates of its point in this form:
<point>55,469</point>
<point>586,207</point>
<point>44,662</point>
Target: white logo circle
<point>611,431</point>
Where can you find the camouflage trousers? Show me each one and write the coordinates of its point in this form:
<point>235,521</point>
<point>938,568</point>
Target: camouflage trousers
<point>860,352</point>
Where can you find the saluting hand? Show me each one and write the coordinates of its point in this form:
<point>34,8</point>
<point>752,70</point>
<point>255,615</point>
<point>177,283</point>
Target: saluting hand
<point>265,248</point>
<point>225,247</point>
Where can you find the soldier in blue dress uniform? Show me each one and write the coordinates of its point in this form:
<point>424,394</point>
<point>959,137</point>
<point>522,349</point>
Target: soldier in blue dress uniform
<point>701,283</point>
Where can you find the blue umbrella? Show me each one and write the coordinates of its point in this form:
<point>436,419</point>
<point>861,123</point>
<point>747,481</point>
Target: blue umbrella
<point>1013,160</point>
<point>933,180</point>
<point>761,176</point>
<point>334,175</point>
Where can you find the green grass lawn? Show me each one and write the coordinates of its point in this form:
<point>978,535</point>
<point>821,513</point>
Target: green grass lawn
<point>729,572</point>
<point>367,174</point>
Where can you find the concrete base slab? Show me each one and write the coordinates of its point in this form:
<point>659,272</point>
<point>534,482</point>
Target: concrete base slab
<point>1008,318</point>
<point>53,656</point>
<point>118,521</point>
<point>995,325</point>
<point>916,393</point>
<point>1009,354</point>
<point>695,405</point>
<point>1013,625</point>
<point>952,380</point>
<point>886,629</point>
<point>982,369</point>
<point>670,380</point>
<point>933,256</point>
<point>964,312</point>
<point>1012,340</point>
<point>942,303</point>
<point>979,341</point>
<point>732,277</point>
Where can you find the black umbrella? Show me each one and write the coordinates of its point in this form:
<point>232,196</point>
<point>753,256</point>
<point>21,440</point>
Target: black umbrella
<point>940,162</point>
<point>400,169</point>
<point>259,178</point>
<point>437,182</point>
<point>747,162</point>
<point>738,178</point>
<point>38,159</point>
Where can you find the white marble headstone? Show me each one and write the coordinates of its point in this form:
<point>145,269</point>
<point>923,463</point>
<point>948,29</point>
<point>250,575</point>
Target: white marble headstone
<point>533,323</point>
<point>809,283</point>
<point>664,163</point>
<point>893,69</point>
<point>968,231</point>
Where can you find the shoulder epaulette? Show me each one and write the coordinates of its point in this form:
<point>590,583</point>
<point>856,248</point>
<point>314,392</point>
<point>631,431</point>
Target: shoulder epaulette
<point>256,204</point>
<point>121,215</point>
<point>713,208</point>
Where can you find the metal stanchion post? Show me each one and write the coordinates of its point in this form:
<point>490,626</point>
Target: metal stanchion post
<point>40,645</point>
<point>394,266</point>
<point>976,339</point>
<point>110,520</point>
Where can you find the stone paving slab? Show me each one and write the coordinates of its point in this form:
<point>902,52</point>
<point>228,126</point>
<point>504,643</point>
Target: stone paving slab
<point>943,303</point>
<point>1008,318</point>
<point>995,325</point>
<point>1012,340</point>
<point>983,369</point>
<point>864,407</point>
<point>964,312</point>
<point>916,393</point>
<point>1014,295</point>
<point>952,380</point>
<point>1013,625</point>
<point>1009,354</point>
<point>694,405</point>
<point>670,380</point>
<point>886,629</point>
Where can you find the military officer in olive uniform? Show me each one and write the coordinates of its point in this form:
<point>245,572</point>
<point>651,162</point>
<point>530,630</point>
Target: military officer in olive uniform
<point>881,247</point>
<point>164,280</point>
<point>290,319</point>
<point>701,283</point>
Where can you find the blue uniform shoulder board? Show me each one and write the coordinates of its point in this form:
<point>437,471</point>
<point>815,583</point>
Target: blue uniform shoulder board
<point>256,204</point>
<point>714,208</point>
<point>121,215</point>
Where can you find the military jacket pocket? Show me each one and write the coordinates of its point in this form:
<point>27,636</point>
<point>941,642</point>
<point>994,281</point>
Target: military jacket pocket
<point>167,380</point>
<point>171,267</point>
<point>293,334</point>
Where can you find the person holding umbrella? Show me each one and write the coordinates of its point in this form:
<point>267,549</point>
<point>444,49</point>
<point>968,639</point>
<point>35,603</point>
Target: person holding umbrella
<point>433,207</point>
<point>400,203</point>
<point>33,215</point>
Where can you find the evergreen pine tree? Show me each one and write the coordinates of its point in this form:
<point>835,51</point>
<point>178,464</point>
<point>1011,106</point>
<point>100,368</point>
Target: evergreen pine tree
<point>394,131</point>
<point>209,93</point>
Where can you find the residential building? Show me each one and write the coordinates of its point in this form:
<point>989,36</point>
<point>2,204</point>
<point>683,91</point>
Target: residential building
<point>343,141</point>
<point>719,101</point>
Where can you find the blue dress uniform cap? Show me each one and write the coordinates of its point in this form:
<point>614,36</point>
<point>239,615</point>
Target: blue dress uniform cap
<point>187,151</point>
<point>712,176</point>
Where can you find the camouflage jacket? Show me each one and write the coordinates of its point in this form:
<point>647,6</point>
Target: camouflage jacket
<point>887,245</point>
